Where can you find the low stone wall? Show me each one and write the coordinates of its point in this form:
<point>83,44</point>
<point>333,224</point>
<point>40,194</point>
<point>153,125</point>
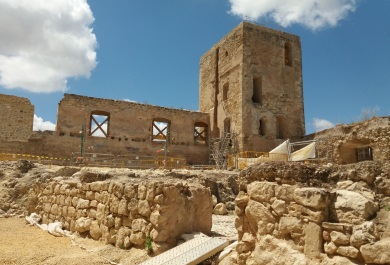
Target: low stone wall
<point>282,217</point>
<point>125,214</point>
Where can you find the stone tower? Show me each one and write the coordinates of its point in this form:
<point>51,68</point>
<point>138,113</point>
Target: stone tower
<point>251,84</point>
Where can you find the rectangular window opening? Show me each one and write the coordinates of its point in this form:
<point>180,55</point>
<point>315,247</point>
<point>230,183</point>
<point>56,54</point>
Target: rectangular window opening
<point>257,90</point>
<point>99,125</point>
<point>364,154</point>
<point>200,134</point>
<point>160,131</point>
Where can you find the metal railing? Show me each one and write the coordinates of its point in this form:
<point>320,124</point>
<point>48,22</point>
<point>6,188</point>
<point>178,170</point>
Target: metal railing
<point>35,158</point>
<point>126,161</point>
<point>242,160</point>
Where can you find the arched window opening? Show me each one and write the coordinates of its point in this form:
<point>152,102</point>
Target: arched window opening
<point>280,128</point>
<point>288,54</point>
<point>225,91</point>
<point>262,127</point>
<point>257,90</point>
<point>200,133</point>
<point>161,130</point>
<point>99,124</point>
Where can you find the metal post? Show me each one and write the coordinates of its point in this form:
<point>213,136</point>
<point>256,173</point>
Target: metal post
<point>82,140</point>
<point>166,147</point>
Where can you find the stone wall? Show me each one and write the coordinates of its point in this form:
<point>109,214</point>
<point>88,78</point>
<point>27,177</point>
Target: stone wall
<point>130,128</point>
<point>16,118</point>
<point>340,144</point>
<point>309,214</point>
<point>129,131</point>
<point>125,213</point>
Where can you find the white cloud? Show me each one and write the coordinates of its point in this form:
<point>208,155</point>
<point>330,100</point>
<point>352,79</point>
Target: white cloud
<point>40,125</point>
<point>45,42</point>
<point>129,100</point>
<point>314,14</point>
<point>321,124</point>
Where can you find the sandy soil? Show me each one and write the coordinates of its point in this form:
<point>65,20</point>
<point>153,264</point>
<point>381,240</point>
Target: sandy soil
<point>21,243</point>
<point>25,244</point>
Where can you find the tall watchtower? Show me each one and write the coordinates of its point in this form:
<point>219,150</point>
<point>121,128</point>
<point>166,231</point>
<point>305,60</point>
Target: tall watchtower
<point>251,83</point>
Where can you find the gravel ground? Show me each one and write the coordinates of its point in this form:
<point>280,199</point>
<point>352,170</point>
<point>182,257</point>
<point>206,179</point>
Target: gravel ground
<point>223,225</point>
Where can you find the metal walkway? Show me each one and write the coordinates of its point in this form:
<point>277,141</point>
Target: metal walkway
<point>191,252</point>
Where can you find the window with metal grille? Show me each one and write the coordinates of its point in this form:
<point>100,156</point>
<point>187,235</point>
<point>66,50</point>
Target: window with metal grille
<point>364,154</point>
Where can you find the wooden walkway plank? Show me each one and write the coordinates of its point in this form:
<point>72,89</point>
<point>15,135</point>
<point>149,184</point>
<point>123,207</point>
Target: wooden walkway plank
<point>191,252</point>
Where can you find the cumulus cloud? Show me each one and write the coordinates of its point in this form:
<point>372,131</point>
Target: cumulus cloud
<point>40,125</point>
<point>314,14</point>
<point>321,124</point>
<point>43,43</point>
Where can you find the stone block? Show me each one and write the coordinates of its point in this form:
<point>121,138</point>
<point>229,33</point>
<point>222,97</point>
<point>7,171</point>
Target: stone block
<point>71,211</point>
<point>279,207</point>
<point>376,253</point>
<point>290,224</point>
<point>130,191</point>
<point>137,238</point>
<point>256,212</point>
<point>313,240</point>
<point>159,199</point>
<point>340,239</point>
<point>100,213</point>
<point>220,209</point>
<point>96,186</point>
<point>340,227</point>
<point>83,224</point>
<point>94,230</point>
<point>138,225</point>
<point>114,204</point>
<point>330,248</point>
<point>142,192</point>
<point>348,251</point>
<point>82,204</point>
<point>285,192</point>
<point>352,207</point>
<point>311,197</point>
<point>122,208</point>
<point>242,199</point>
<point>144,208</point>
<point>261,191</point>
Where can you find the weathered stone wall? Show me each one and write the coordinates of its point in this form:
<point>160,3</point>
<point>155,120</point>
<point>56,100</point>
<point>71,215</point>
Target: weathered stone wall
<point>281,108</point>
<point>227,73</point>
<point>279,215</point>
<point>129,131</point>
<point>340,144</point>
<point>16,118</point>
<point>130,128</point>
<point>124,214</point>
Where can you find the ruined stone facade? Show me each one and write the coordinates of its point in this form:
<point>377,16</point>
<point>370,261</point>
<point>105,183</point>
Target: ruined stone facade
<point>16,118</point>
<point>251,84</point>
<point>121,127</point>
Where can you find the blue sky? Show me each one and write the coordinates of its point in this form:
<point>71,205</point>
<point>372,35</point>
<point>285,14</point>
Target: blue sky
<point>149,51</point>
